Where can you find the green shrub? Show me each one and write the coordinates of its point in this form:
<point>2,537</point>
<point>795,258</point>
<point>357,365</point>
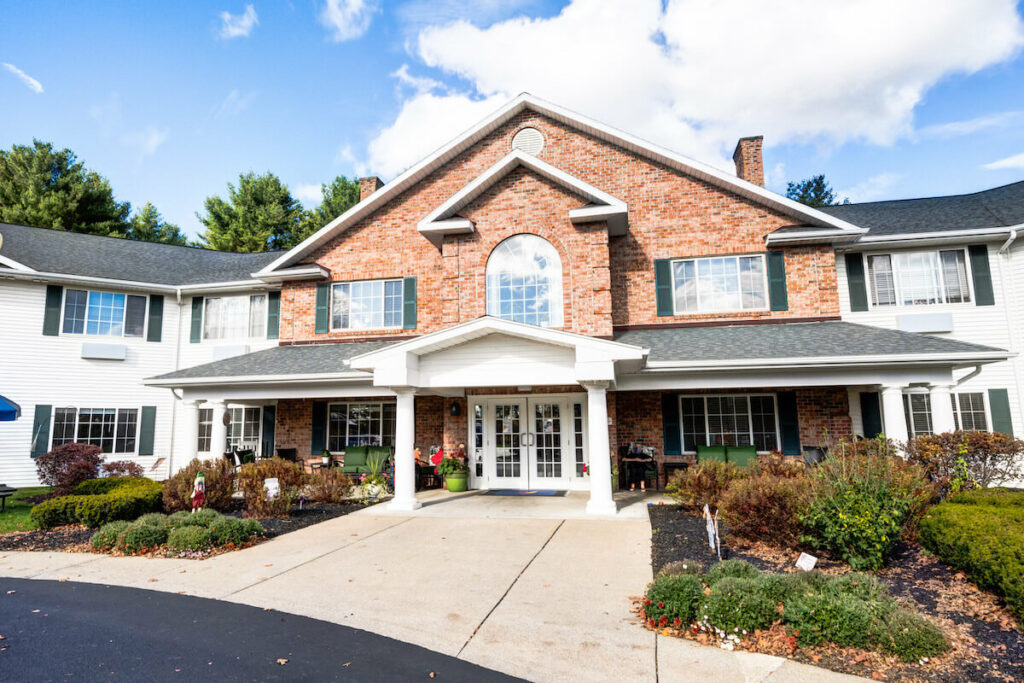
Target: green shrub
<point>108,535</point>
<point>982,533</point>
<point>736,569</point>
<point>232,530</point>
<point>738,606</point>
<point>705,483</point>
<point>189,538</point>
<point>781,587</point>
<point>673,600</point>
<point>253,528</point>
<point>835,617</point>
<point>290,477</point>
<point>860,505</point>
<point>219,480</point>
<point>858,585</point>
<point>909,636</point>
<point>157,519</point>
<point>679,568</point>
<point>139,537</point>
<point>98,501</point>
<point>179,518</point>
<point>767,507</point>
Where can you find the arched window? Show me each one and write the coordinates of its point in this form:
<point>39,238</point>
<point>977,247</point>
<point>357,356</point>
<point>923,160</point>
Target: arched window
<point>524,281</point>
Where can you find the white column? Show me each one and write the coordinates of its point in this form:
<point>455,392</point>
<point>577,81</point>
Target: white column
<point>892,412</point>
<point>405,459</point>
<point>218,430</point>
<point>190,417</point>
<point>600,502</point>
<point>942,408</point>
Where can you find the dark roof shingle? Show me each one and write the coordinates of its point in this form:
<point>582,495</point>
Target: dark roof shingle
<point>72,253</point>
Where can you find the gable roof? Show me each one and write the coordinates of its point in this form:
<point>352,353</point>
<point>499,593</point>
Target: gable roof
<point>70,253</point>
<point>999,207</point>
<point>834,225</point>
<point>602,207</point>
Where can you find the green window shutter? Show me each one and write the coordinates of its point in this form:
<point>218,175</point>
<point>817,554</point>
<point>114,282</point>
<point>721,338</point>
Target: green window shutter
<point>197,320</point>
<point>147,424</point>
<point>856,282</point>
<point>156,318</point>
<point>663,286</point>
<point>273,315</point>
<point>41,430</point>
<point>982,275</point>
<point>409,303</point>
<point>269,421</point>
<point>670,423</point>
<point>319,442</point>
<point>871,413</point>
<point>323,291</point>
<point>778,299</point>
<point>51,316</point>
<point>789,424</point>
<point>999,406</point>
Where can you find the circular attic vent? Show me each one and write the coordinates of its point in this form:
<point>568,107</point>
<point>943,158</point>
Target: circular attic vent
<point>528,140</point>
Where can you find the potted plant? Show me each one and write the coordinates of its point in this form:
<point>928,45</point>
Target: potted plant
<point>326,458</point>
<point>455,471</point>
<point>374,482</point>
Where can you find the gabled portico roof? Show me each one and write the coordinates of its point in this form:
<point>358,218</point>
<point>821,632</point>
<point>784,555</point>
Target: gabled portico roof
<point>445,219</point>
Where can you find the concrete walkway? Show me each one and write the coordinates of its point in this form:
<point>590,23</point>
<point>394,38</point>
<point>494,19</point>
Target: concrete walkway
<point>533,590</point>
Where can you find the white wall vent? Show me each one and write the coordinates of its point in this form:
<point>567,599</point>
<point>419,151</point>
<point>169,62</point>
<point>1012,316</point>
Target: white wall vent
<point>528,140</point>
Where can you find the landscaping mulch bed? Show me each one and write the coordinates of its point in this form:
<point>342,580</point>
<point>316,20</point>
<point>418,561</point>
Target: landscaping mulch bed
<point>987,643</point>
<point>74,538</point>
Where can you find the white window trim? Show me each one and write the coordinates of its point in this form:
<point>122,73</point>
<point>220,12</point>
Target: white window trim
<point>764,278</point>
<point>228,408</point>
<point>327,430</point>
<point>124,315</point>
<point>401,307</point>
<point>869,283</point>
<point>707,428</point>
<point>78,411</point>
<point>248,317</point>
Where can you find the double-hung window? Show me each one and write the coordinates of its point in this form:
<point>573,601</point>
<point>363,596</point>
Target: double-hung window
<point>969,412</point>
<point>112,429</point>
<point>235,317</point>
<point>919,278</point>
<point>360,424</point>
<point>720,284</point>
<point>366,305</point>
<point>244,428</point>
<point>104,314</point>
<point>729,420</point>
<point>917,409</point>
<point>205,430</point>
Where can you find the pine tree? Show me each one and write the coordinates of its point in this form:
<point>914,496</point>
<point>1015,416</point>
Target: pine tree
<point>147,225</point>
<point>260,214</point>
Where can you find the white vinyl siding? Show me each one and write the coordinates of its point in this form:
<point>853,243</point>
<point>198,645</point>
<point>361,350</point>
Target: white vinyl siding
<point>721,284</point>
<point>729,420</point>
<point>366,305</point>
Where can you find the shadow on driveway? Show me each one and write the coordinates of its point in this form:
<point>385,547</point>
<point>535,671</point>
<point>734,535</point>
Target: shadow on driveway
<point>64,631</point>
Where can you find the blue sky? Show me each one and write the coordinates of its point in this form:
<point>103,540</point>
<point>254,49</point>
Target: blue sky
<point>171,101</point>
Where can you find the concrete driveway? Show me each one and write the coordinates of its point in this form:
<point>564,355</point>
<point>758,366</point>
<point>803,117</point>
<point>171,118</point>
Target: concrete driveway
<point>541,596</point>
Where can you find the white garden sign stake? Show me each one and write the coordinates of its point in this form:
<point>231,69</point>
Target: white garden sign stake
<point>806,562</point>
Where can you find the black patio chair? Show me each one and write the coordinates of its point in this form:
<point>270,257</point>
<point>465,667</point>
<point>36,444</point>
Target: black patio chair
<point>289,454</point>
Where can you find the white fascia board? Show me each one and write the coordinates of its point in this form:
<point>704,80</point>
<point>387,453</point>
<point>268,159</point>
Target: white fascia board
<point>34,276</point>
<point>526,101</point>
<point>812,236</point>
<point>827,361</point>
<point>11,263</point>
<point>936,237</point>
<point>257,379</point>
<point>222,286</point>
<point>311,272</point>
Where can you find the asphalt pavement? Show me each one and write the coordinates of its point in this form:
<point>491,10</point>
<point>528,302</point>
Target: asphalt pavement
<point>66,631</point>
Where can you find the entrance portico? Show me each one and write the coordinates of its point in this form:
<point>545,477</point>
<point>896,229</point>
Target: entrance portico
<point>522,441</point>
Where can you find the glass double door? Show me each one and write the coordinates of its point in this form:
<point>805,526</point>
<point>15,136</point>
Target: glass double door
<point>529,443</point>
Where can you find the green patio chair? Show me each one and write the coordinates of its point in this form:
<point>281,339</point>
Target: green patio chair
<point>355,460</point>
<point>744,456</point>
<point>710,453</point>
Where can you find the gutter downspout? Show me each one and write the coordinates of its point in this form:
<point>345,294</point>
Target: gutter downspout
<point>1006,261</point>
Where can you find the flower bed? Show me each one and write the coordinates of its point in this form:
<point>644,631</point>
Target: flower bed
<point>182,534</point>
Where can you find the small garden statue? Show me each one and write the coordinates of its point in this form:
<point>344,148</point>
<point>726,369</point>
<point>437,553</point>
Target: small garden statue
<point>199,491</point>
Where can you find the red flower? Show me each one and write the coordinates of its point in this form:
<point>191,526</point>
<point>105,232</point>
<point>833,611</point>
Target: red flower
<point>677,622</point>
<point>662,621</point>
<point>661,605</point>
<point>436,471</point>
<point>647,601</point>
<point>435,459</point>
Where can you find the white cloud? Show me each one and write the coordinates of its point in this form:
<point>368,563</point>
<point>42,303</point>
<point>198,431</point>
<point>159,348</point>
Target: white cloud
<point>420,84</point>
<point>310,195</point>
<point>1016,161</point>
<point>775,177</point>
<point>874,188</point>
<point>235,102</point>
<point>147,140</point>
<point>348,19</point>
<point>238,25</point>
<point>31,83</point>
<point>954,129</point>
<point>694,75</point>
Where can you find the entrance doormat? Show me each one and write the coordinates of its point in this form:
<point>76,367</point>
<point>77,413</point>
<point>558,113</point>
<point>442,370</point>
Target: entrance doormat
<point>529,492</point>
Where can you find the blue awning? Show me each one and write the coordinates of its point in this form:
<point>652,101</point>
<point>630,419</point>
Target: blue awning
<point>9,410</point>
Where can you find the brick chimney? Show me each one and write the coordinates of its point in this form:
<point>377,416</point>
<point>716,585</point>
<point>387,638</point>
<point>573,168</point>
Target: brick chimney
<point>368,186</point>
<point>747,157</point>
